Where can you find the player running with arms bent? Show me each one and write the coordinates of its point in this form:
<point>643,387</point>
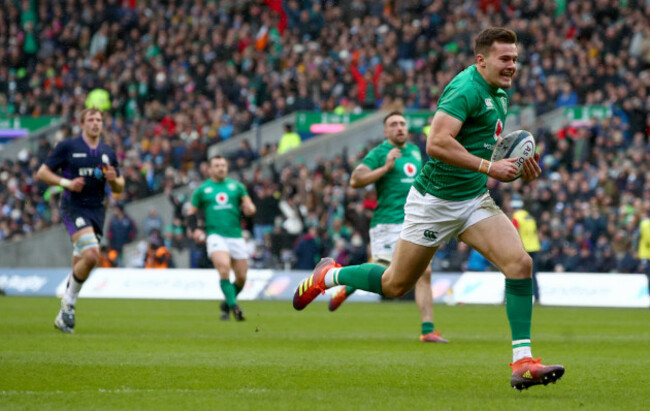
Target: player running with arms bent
<point>450,199</point>
<point>221,198</point>
<point>86,165</point>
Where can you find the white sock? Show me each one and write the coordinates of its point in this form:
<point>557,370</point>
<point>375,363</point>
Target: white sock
<point>519,352</point>
<point>72,290</point>
<point>332,277</point>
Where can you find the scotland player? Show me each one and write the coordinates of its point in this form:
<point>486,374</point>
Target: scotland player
<point>86,165</point>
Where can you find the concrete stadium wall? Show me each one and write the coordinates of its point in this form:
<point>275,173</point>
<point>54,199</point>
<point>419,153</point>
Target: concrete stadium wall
<point>357,134</point>
<point>10,151</point>
<point>269,133</point>
<point>48,249</point>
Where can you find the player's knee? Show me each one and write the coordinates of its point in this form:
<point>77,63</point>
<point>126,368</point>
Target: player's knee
<point>393,289</point>
<point>87,246</point>
<point>522,267</point>
<point>224,270</point>
<point>91,256</point>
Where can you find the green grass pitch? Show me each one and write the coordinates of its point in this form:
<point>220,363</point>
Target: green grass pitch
<point>138,354</point>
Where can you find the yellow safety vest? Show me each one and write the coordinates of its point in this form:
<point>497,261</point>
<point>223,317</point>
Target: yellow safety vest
<point>644,240</point>
<point>288,141</point>
<point>527,230</point>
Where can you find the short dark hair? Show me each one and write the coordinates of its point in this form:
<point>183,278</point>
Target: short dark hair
<point>487,37</point>
<point>392,113</point>
<point>217,157</point>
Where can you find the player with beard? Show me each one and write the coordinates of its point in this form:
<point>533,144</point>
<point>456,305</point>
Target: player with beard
<point>221,199</point>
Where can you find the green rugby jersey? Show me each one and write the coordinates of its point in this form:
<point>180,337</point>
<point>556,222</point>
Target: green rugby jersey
<point>482,109</point>
<point>393,187</point>
<point>221,202</point>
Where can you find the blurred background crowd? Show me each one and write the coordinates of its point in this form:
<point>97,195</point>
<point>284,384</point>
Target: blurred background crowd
<point>184,75</point>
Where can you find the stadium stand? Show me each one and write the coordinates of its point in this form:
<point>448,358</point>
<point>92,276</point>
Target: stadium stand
<point>188,75</point>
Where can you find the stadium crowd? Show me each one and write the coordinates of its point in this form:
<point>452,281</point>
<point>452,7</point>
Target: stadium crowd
<point>184,75</point>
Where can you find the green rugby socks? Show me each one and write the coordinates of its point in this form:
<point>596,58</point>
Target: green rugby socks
<point>229,292</point>
<point>364,277</point>
<point>519,308</point>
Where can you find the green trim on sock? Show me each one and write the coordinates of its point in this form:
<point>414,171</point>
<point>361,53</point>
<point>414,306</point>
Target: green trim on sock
<point>238,288</point>
<point>427,328</point>
<point>229,292</point>
<point>519,307</point>
<point>521,345</point>
<point>363,277</point>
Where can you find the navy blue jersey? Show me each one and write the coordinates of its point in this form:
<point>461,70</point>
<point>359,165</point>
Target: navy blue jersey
<point>75,158</point>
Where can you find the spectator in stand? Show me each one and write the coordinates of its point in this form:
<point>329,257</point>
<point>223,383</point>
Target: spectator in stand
<point>476,262</point>
<point>121,230</point>
<point>367,83</point>
<point>306,250</point>
<point>152,222</point>
<point>265,196</point>
<point>606,261</point>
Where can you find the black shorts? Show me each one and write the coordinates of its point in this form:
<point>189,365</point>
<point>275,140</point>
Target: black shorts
<point>77,218</point>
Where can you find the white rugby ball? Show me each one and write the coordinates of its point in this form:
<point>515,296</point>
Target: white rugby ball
<point>519,144</point>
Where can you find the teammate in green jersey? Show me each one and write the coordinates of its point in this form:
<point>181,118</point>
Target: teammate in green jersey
<point>392,167</point>
<point>221,199</point>
<point>450,199</point>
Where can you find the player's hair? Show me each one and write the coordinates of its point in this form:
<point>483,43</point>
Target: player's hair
<point>492,35</point>
<point>88,111</point>
<point>217,157</point>
<point>393,113</point>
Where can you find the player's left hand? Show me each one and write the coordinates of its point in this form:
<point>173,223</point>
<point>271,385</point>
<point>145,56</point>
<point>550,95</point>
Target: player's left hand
<point>531,170</point>
<point>110,173</point>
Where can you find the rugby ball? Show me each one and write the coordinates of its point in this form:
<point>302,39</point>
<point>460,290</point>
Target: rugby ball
<point>519,144</point>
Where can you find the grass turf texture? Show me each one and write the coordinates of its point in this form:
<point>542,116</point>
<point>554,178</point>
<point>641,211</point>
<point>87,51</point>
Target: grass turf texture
<point>139,354</point>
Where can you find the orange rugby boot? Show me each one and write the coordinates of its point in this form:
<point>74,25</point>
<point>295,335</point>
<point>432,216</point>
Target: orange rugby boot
<point>309,288</point>
<point>528,372</point>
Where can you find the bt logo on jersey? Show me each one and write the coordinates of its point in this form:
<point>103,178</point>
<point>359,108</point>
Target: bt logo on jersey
<point>97,172</point>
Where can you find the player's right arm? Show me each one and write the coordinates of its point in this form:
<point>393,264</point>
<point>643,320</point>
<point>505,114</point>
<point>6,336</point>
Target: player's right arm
<point>442,145</point>
<point>48,176</point>
<point>364,175</point>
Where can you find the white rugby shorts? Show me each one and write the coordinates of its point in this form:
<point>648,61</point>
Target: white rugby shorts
<point>383,238</point>
<point>236,247</point>
<point>430,221</point>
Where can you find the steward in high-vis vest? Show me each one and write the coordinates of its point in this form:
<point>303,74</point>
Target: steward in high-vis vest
<point>527,227</point>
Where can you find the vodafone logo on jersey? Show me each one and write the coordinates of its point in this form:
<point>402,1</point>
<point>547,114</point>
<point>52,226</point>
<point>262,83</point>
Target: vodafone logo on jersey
<point>222,198</point>
<point>410,169</point>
